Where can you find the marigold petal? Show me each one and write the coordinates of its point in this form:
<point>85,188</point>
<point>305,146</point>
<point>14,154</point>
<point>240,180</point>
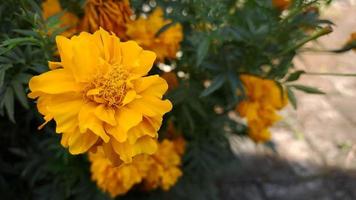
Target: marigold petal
<point>111,154</point>
<point>124,150</point>
<point>65,112</point>
<point>129,97</point>
<point>87,54</point>
<point>144,128</point>
<point>88,120</point>
<point>146,145</point>
<point>151,106</point>
<point>146,60</point>
<point>53,82</point>
<point>105,114</point>
<point>81,142</point>
<point>151,85</point>
<point>130,54</point>
<point>128,118</point>
<point>65,138</point>
<point>65,50</point>
<point>117,132</point>
<point>54,65</point>
<point>111,46</point>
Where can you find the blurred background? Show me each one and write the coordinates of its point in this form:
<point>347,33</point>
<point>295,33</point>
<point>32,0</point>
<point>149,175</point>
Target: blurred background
<point>315,145</point>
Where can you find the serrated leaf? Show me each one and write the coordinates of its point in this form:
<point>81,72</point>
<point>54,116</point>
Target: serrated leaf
<point>216,83</point>
<point>295,75</point>
<point>291,97</point>
<point>307,89</point>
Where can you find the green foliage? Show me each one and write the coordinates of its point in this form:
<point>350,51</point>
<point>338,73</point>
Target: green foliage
<point>223,39</point>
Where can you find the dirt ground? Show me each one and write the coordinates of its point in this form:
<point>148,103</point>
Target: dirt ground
<point>315,154</point>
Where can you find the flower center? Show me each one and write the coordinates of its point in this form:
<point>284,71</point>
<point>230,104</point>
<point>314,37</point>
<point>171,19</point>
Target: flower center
<point>110,88</point>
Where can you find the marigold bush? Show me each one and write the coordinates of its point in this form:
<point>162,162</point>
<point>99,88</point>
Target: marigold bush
<point>142,93</point>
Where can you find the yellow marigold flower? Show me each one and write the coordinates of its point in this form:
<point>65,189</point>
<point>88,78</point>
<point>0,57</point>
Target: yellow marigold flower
<point>263,98</point>
<point>165,170</point>
<point>69,20</point>
<point>152,171</point>
<point>144,31</point>
<point>281,4</point>
<point>99,95</point>
<point>111,15</point>
<point>116,180</point>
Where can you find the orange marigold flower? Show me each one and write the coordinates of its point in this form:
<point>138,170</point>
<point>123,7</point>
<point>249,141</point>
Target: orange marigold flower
<point>263,98</point>
<point>352,40</point>
<point>111,15</point>
<point>99,95</point>
<point>159,170</point>
<point>171,79</point>
<point>166,44</point>
<point>281,4</point>
<point>68,20</point>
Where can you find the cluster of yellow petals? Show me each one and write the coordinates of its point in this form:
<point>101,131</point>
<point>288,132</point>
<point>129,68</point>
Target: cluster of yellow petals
<point>115,16</point>
<point>161,169</point>
<point>99,96</point>
<point>263,99</point>
<point>144,32</point>
<point>111,15</point>
<point>67,20</point>
<point>281,4</point>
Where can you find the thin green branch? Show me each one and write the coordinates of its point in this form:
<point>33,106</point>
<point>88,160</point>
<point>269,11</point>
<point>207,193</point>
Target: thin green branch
<point>327,74</point>
<point>314,36</point>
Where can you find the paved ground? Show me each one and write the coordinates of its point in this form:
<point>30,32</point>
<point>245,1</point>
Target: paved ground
<point>316,144</point>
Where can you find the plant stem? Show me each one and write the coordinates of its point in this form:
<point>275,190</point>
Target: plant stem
<point>327,74</point>
<point>314,36</point>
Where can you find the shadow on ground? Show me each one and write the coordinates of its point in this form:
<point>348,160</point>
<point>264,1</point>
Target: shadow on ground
<point>269,178</point>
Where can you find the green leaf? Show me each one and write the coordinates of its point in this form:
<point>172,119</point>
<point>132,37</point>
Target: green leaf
<point>197,106</point>
<point>235,85</point>
<point>307,89</point>
<point>9,103</point>
<point>20,94</point>
<point>295,75</point>
<point>187,115</point>
<point>202,51</point>
<point>291,97</point>
<point>12,43</point>
<point>217,82</point>
<point>16,41</point>
<point>26,32</point>
<point>3,69</point>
